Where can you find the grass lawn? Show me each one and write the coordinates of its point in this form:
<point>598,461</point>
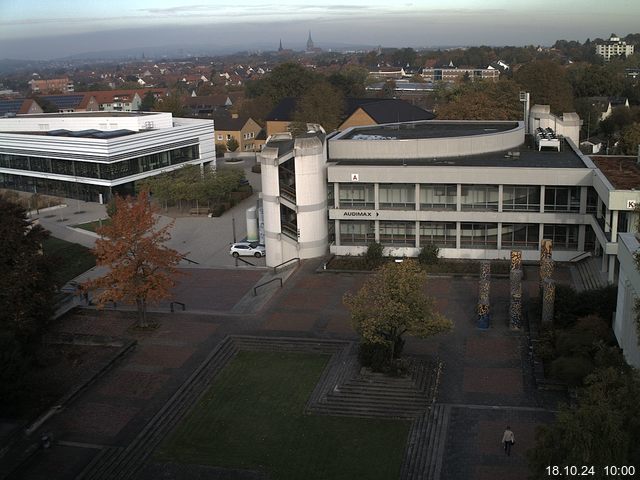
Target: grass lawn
<point>71,259</point>
<point>93,226</point>
<point>252,418</point>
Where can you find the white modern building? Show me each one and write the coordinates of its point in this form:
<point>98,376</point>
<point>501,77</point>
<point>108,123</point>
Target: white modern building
<point>613,47</point>
<point>95,154</point>
<point>476,189</point>
<point>624,323</point>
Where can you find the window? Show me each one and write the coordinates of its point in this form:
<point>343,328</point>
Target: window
<point>562,199</point>
<point>86,169</point>
<point>398,233</point>
<point>592,200</point>
<point>480,197</point>
<point>520,236</point>
<point>356,195</point>
<point>357,232</point>
<point>479,235</point>
<point>520,198</point>
<point>397,196</point>
<point>439,234</point>
<point>564,237</point>
<point>438,197</point>
<point>62,167</point>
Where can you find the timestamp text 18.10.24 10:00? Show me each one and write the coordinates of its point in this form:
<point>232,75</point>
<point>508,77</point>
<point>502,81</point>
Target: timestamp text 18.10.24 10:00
<point>589,470</point>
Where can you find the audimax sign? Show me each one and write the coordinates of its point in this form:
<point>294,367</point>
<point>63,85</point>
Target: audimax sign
<point>360,213</point>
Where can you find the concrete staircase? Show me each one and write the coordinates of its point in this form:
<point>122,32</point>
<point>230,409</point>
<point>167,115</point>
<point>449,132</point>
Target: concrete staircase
<point>425,446</point>
<point>586,274</point>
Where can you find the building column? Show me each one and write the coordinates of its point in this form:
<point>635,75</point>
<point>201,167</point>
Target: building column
<point>336,195</point>
<point>599,208</point>
<point>603,266</point>
<point>458,203</point>
<point>583,200</point>
<point>337,232</point>
<point>458,228</point>
<point>499,246</point>
<point>377,230</point>
<point>540,233</point>
<point>376,196</point>
<point>582,233</point>
<point>607,225</point>
<point>542,190</point>
<point>500,191</point>
<point>417,234</point>
<point>612,268</point>
<point>417,196</point>
<point>614,225</point>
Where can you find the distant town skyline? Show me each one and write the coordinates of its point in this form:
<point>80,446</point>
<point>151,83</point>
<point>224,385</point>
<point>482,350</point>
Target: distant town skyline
<point>42,29</point>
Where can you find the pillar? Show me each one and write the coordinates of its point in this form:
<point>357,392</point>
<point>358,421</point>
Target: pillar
<point>484,286</point>
<point>548,300</point>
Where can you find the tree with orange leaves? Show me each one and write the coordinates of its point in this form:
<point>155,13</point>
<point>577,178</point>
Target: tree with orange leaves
<point>141,268</point>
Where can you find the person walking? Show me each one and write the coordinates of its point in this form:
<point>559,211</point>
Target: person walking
<point>508,439</point>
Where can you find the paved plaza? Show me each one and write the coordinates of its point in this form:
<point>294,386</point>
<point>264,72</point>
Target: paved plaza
<point>485,384</point>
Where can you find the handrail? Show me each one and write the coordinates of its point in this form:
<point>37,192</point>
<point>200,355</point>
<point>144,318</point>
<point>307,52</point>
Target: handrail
<point>255,289</point>
<point>577,257</point>
<point>275,269</point>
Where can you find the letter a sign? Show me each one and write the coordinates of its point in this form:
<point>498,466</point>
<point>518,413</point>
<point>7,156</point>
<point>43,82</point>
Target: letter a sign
<point>355,177</point>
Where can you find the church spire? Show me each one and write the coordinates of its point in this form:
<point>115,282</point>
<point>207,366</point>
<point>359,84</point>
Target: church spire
<point>280,47</point>
<point>309,42</point>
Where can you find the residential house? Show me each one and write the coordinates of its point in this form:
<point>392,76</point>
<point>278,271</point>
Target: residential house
<point>78,102</point>
<point>51,86</point>
<point>605,105</point>
<point>19,106</point>
<point>451,73</point>
<point>244,129</point>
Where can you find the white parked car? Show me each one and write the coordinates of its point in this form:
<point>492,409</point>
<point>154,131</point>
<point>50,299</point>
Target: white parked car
<point>247,249</point>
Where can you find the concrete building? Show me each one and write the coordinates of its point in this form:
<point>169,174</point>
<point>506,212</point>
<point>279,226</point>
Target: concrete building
<point>94,154</point>
<point>614,47</point>
<point>451,73</point>
<point>624,323</point>
<point>475,189</point>
<point>52,85</point>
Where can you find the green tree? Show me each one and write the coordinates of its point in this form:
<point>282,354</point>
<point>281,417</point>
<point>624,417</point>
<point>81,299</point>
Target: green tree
<point>323,104</point>
<point>148,102</point>
<point>172,103</point>
<point>286,80</point>
<point>392,303</point>
<point>26,276</point>
<point>481,100</point>
<point>630,139</point>
<point>602,430</point>
<point>232,144</point>
<point>389,89</point>
<point>548,84</point>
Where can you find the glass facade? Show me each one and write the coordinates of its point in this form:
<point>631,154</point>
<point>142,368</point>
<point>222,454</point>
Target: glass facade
<point>56,188</point>
<point>480,197</point>
<point>479,235</point>
<point>438,197</point>
<point>398,234</point>
<point>397,196</point>
<point>356,195</point>
<point>105,171</point>
<point>516,198</point>
<point>521,236</point>
<point>357,232</point>
<point>441,234</point>
<point>562,199</point>
<point>564,237</point>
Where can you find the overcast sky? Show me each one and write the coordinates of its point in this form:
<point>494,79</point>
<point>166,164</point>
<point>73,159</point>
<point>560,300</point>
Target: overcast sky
<point>44,29</point>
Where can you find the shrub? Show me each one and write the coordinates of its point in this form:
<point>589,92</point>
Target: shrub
<point>374,356</point>
<point>232,144</point>
<point>14,367</point>
<point>570,305</point>
<point>571,370</point>
<point>429,254</point>
<point>373,257</point>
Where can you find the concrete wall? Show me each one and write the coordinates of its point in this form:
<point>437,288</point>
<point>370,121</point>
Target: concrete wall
<point>568,125</point>
<point>624,325</point>
<point>428,147</point>
<point>78,121</point>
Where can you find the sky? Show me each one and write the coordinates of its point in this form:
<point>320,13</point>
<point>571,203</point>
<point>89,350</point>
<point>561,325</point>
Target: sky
<point>45,29</point>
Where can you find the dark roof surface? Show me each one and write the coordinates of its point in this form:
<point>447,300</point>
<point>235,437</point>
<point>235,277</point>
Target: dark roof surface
<point>226,122</point>
<point>622,172</point>
<point>64,101</point>
<point>529,158</point>
<point>439,129</point>
<point>10,106</point>
<point>394,110</point>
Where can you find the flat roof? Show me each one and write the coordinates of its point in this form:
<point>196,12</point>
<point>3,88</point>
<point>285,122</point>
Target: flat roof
<point>436,129</point>
<point>88,114</point>
<point>622,172</point>
<point>529,157</point>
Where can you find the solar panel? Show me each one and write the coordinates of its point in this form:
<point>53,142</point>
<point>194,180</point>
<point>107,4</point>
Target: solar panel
<point>10,106</point>
<point>64,101</point>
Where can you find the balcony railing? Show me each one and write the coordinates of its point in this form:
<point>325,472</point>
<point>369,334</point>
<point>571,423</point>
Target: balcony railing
<point>290,230</point>
<point>288,192</point>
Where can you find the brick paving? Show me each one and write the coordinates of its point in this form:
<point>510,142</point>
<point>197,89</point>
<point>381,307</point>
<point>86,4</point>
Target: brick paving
<point>481,368</point>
